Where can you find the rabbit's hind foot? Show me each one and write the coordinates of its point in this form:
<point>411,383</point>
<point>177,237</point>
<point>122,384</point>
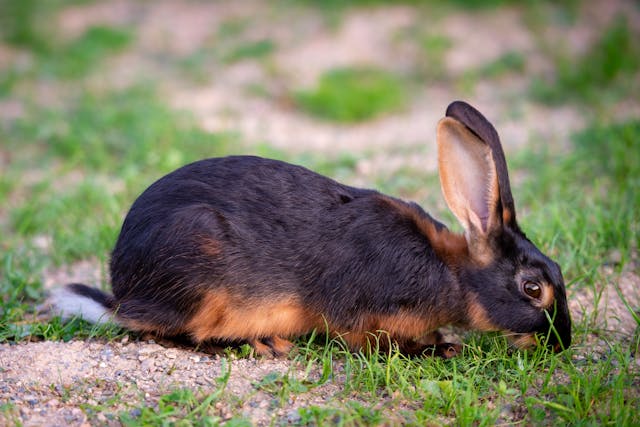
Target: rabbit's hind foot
<point>273,346</point>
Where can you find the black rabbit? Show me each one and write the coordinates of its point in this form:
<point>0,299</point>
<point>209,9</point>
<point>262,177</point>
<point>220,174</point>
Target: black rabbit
<point>253,250</point>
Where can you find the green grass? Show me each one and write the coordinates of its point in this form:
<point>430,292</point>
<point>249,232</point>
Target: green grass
<point>578,207</point>
<point>250,50</point>
<point>529,387</point>
<point>183,406</point>
<point>75,167</point>
<point>228,45</point>
<point>71,214</point>
<point>586,203</point>
<point>8,79</point>
<point>606,70</point>
<point>85,53</point>
<point>111,141</point>
<point>350,95</point>
<point>74,172</point>
<point>70,59</point>
<point>508,63</point>
<point>433,47</point>
<point>462,4</point>
<point>22,22</point>
<point>30,26</point>
<point>488,384</point>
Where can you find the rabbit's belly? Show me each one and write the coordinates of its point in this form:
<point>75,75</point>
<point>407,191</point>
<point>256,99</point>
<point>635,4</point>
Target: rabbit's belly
<point>226,316</point>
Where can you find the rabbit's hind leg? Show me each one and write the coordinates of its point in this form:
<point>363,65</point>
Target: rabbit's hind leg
<point>273,346</point>
<point>439,349</point>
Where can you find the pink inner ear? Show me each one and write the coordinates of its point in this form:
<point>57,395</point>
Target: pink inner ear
<point>477,178</point>
<point>480,208</point>
<point>467,174</point>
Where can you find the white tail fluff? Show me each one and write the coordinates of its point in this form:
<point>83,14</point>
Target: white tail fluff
<point>68,304</point>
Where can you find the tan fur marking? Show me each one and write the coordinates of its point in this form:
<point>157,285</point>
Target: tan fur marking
<point>524,342</point>
<point>406,329</point>
<point>260,348</point>
<point>548,296</point>
<point>355,340</point>
<point>271,346</point>
<point>281,346</point>
<point>478,317</point>
<point>450,247</point>
<point>432,338</point>
<point>507,215</point>
<point>405,325</point>
<point>222,315</point>
<point>483,255</point>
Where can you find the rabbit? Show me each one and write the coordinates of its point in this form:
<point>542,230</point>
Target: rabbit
<point>251,250</point>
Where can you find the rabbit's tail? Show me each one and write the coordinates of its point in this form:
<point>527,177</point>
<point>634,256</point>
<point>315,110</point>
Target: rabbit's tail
<point>78,300</point>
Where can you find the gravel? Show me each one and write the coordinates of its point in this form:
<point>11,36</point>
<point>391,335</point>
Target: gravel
<point>57,383</point>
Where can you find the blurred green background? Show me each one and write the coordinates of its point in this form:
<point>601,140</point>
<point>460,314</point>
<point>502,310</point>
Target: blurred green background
<point>100,98</point>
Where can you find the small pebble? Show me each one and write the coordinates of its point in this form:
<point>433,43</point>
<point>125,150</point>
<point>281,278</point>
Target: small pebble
<point>146,351</point>
<point>147,365</point>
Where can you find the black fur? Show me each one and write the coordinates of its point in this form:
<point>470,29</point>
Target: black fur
<point>265,230</point>
<point>480,126</point>
<point>514,251</point>
<point>285,229</point>
<point>95,294</point>
<point>507,306</point>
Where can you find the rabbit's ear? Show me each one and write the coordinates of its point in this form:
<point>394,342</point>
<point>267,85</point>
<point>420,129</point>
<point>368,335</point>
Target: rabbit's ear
<point>474,121</point>
<point>468,177</point>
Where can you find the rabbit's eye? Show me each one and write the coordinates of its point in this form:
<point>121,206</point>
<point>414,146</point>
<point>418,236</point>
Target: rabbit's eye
<point>532,289</point>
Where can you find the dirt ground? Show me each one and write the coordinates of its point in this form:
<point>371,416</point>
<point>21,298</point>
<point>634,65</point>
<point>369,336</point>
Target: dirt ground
<point>51,381</point>
<point>39,377</point>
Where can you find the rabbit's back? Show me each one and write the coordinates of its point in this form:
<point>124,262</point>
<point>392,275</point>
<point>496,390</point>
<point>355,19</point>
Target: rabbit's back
<point>244,248</point>
<point>233,210</point>
<point>253,230</point>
